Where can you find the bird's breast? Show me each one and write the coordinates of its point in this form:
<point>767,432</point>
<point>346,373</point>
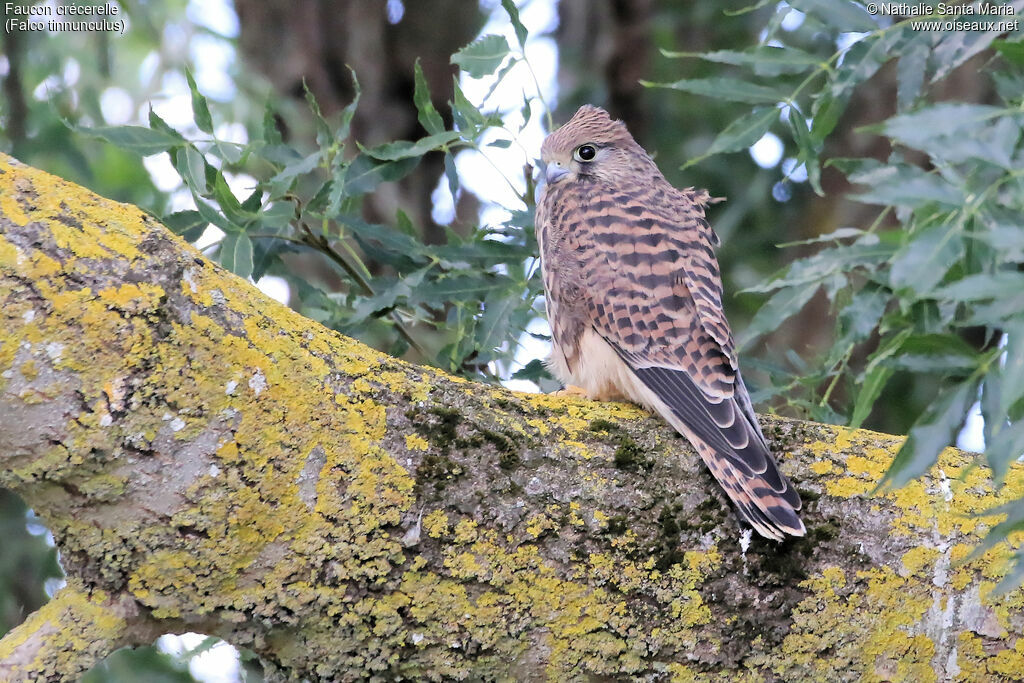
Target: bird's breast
<point>600,371</point>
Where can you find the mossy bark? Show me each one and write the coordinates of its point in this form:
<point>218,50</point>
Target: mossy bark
<point>210,460</point>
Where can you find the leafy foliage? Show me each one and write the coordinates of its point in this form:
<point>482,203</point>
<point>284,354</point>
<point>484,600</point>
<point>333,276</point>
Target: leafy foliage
<point>940,267</point>
<point>457,305</point>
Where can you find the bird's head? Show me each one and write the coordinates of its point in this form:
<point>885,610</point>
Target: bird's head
<point>592,146</point>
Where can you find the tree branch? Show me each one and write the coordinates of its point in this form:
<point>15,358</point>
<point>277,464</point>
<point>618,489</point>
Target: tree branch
<point>216,462</point>
<point>67,636</point>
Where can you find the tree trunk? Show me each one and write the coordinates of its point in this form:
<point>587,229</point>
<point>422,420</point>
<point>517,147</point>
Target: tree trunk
<point>211,461</point>
<point>612,38</point>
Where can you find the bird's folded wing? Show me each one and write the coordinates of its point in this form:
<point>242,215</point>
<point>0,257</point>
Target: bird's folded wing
<point>654,294</point>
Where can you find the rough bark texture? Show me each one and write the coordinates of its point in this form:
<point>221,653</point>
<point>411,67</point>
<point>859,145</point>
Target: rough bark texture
<point>210,460</point>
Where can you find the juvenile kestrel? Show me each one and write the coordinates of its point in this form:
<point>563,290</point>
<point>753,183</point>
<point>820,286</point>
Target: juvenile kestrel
<point>634,299</point>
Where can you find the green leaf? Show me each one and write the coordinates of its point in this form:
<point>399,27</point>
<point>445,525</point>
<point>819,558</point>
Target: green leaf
<point>318,204</point>
<point>869,391</point>
<point>999,313</point>
<point>956,47</point>
<point>1002,404</point>
<point>1011,374</point>
<point>1001,231</point>
<point>157,123</point>
<point>1010,51</point>
<point>534,371</point>
<point>385,244</point>
<point>741,133</point>
<point>403,149</point>
<point>1014,522</point>
<point>236,253</point>
<point>808,149</point>
<point>823,266</point>
<point>468,118</point>
<point>277,215</point>
<point>993,412</point>
<point>266,258</point>
<point>957,132</point>
<point>729,89</point>
<point>1009,84</point>
<point>230,152</point>
<point>839,14</point>
<point>513,15</point>
<point>281,155</point>
<point>271,135</point>
<point>932,432</point>
<point>189,224</point>
<point>923,261</point>
<point>364,174</point>
<point>461,287</point>
<point>784,303</point>
<point>982,286</point>
<point>191,166</point>
<point>200,110</point>
<point>860,317</point>
<point>493,329</point>
<point>887,349</point>
<point>766,60</point>
<point>404,224</point>
<point>907,186</point>
<point>211,215</point>
<point>910,74</point>
<point>324,137</point>
<point>350,109</point>
<point>229,204</point>
<point>1004,449</point>
<point>282,181</point>
<point>835,236</point>
<point>938,354</point>
<point>427,114</point>
<point>502,72</point>
<point>827,109</point>
<point>138,139</point>
<point>863,60</point>
<point>452,174</point>
<point>483,56</point>
<point>480,254</point>
<point>525,112</point>
<point>385,300</point>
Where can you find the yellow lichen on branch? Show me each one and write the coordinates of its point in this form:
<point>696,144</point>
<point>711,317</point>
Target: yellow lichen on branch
<point>217,462</point>
<point>64,638</point>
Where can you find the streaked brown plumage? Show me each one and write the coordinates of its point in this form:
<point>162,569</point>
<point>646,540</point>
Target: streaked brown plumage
<point>634,301</point>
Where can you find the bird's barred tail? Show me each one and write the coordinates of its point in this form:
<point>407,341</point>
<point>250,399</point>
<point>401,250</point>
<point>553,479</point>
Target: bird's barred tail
<point>772,513</point>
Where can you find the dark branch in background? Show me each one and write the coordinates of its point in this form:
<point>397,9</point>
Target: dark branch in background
<point>318,41</point>
<point>17,109</point>
<point>629,63</point>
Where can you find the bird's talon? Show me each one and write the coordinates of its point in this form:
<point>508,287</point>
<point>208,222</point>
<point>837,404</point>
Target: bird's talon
<point>572,390</point>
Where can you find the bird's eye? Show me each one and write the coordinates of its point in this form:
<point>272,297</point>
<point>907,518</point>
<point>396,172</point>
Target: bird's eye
<point>585,153</point>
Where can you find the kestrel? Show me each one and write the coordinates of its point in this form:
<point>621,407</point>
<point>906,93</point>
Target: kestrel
<point>634,299</point>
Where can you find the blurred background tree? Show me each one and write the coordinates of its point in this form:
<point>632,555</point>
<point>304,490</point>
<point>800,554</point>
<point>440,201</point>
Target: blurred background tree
<point>432,256</point>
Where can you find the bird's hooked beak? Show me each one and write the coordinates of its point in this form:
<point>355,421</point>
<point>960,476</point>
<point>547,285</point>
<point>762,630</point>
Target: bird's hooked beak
<point>555,172</point>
